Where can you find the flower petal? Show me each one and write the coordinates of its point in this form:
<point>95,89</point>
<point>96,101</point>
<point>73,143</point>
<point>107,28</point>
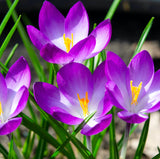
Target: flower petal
<point>51,22</point>
<point>18,75</point>
<point>132,118</point>
<point>37,37</point>
<point>53,54</point>
<point>99,80</point>
<point>65,117</point>
<point>77,23</point>
<point>19,102</point>
<point>102,34</point>
<point>47,96</point>
<point>117,71</point>
<point>114,95</point>
<point>141,69</point>
<point>10,126</point>
<point>94,127</point>
<point>3,92</point>
<point>73,79</point>
<point>82,49</point>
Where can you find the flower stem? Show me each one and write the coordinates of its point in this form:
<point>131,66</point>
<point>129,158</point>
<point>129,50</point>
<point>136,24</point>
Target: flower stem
<point>125,141</point>
<point>89,143</point>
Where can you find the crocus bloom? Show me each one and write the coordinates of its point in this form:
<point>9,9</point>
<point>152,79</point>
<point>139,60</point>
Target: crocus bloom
<point>79,94</point>
<point>134,89</point>
<point>62,40</point>
<point>13,95</point>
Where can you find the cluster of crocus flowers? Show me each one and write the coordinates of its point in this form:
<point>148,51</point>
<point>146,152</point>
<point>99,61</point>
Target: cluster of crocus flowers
<point>134,89</point>
<point>62,40</point>
<point>13,95</point>
<point>79,94</point>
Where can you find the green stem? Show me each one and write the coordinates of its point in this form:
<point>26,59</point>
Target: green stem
<point>125,141</point>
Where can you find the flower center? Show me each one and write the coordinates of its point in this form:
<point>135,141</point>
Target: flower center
<point>68,42</point>
<point>84,104</point>
<point>135,92</point>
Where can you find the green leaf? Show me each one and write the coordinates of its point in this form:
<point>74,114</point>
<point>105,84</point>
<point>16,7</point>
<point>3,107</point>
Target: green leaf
<point>112,138</point>
<point>80,126</point>
<point>3,151</point>
<point>157,156</point>
<point>142,140</point>
<point>143,36</point>
<point>28,45</point>
<point>9,36</point>
<point>96,141</point>
<point>112,9</point>
<point>7,16</point>
<point>11,55</point>
<point>31,125</point>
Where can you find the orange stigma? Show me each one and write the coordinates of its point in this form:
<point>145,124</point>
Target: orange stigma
<point>135,92</point>
<point>68,42</point>
<point>1,111</point>
<point>84,104</point>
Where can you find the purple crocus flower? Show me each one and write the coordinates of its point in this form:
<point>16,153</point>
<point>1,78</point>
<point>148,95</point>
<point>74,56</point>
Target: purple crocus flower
<point>134,89</point>
<point>62,40</point>
<point>13,95</point>
<point>79,93</point>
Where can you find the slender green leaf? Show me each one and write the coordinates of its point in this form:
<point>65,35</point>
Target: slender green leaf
<point>7,16</point>
<point>3,151</point>
<point>32,55</point>
<point>112,138</point>
<point>30,124</point>
<point>72,135</point>
<point>142,140</point>
<point>9,36</point>
<point>11,55</point>
<point>112,9</point>
<point>91,64</point>
<point>11,151</point>
<point>96,142</point>
<point>103,55</point>
<point>157,156</point>
<point>143,36</point>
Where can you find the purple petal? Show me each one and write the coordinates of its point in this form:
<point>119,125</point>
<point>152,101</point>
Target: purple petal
<point>141,69</point>
<point>73,79</point>
<point>117,71</point>
<point>46,96</point>
<point>132,118</point>
<point>18,75</point>
<point>65,117</point>
<point>53,54</point>
<point>82,49</point>
<point>38,38</point>
<point>95,127</point>
<point>99,80</point>
<point>114,95</point>
<point>77,23</point>
<point>102,34</point>
<point>51,22</point>
<point>19,101</point>
<point>10,126</point>
<point>3,92</point>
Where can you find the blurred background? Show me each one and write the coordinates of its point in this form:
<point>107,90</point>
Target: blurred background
<point>128,23</point>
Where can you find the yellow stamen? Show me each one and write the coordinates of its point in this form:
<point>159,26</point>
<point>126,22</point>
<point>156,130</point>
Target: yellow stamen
<point>68,42</point>
<point>135,92</point>
<point>1,111</point>
<point>84,104</point>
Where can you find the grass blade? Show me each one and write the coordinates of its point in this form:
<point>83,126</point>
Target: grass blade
<point>9,36</point>
<point>28,45</point>
<point>143,36</point>
<point>112,9</point>
<point>7,16</point>
<point>142,140</point>
<point>3,151</point>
